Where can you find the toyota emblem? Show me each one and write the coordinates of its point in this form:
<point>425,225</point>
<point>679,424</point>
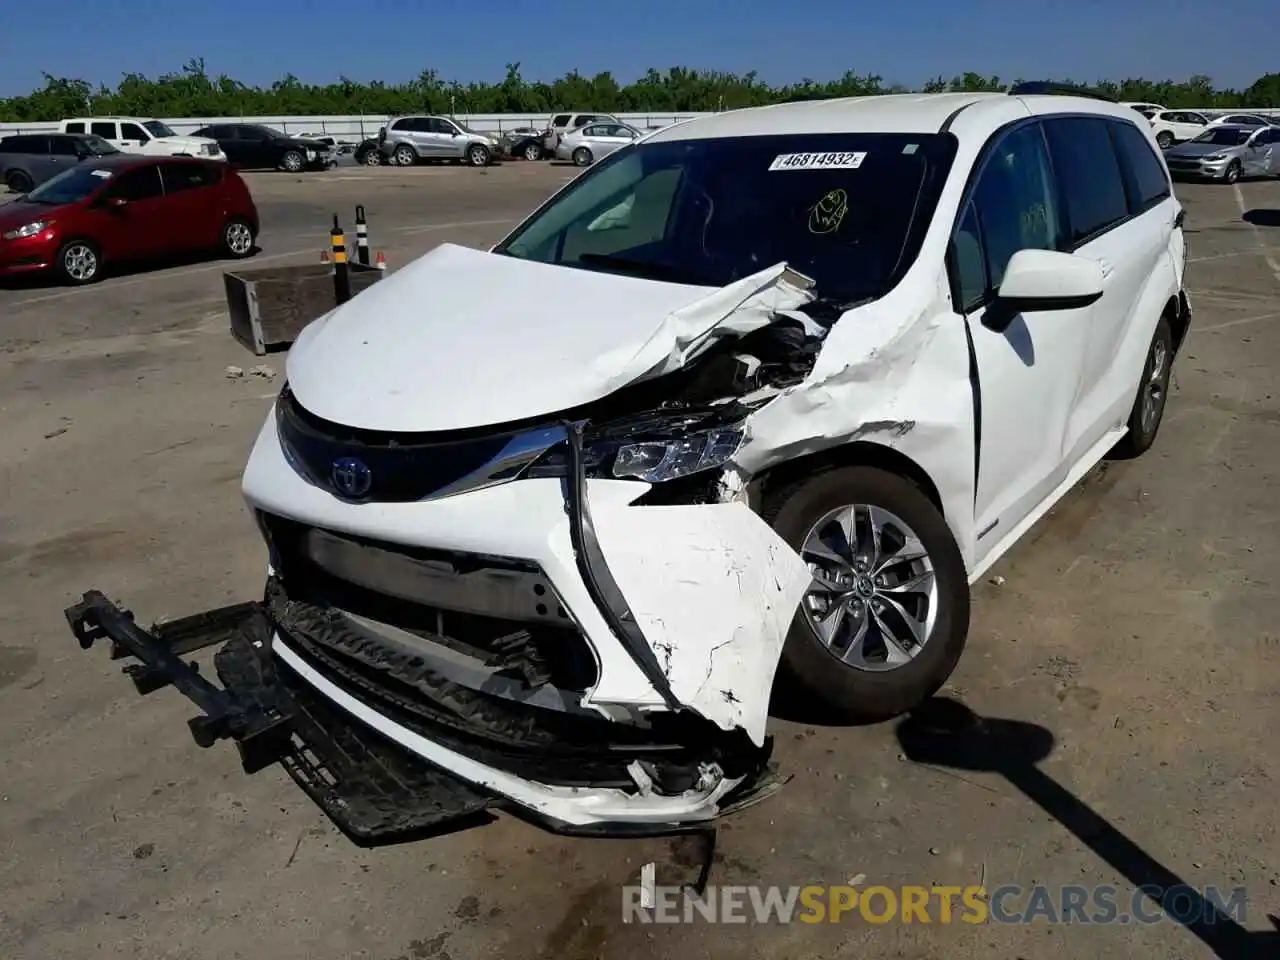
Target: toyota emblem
<point>351,478</point>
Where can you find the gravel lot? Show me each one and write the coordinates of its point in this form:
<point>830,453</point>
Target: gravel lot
<point>1135,630</point>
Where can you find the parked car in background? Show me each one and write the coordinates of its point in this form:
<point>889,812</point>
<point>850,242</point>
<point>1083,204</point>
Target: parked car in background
<point>29,159</point>
<point>150,137</point>
<point>336,147</point>
<point>524,142</point>
<point>588,144</point>
<point>368,153</point>
<point>1226,153</point>
<point>406,140</point>
<point>1146,109</point>
<point>258,146</point>
<point>1177,126</point>
<point>1242,120</point>
<point>125,207</point>
<point>562,123</point>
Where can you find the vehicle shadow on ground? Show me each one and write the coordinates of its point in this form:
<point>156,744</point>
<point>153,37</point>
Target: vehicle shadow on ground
<point>48,281</point>
<point>946,733</point>
<point>1263,218</point>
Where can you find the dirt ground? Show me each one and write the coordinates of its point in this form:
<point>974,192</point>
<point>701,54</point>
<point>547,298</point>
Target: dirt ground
<point>1133,638</point>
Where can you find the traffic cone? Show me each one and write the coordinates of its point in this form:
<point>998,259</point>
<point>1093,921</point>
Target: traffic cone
<point>381,262</point>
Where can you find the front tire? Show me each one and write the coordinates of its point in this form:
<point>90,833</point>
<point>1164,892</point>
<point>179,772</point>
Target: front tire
<point>478,155</point>
<point>1165,139</point>
<point>1153,395</point>
<point>292,162</point>
<point>237,238</point>
<point>1233,172</point>
<point>582,157</point>
<point>79,263</point>
<point>885,621</point>
<point>18,182</point>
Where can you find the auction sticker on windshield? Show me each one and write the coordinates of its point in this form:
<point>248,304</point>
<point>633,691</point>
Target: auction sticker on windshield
<point>104,174</point>
<point>818,161</point>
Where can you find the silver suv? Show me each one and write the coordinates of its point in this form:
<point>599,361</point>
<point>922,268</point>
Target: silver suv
<point>406,140</point>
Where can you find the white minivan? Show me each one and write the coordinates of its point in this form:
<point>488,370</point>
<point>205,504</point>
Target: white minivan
<point>136,135</point>
<point>757,398</point>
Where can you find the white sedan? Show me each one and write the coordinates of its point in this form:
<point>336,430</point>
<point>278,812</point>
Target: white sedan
<point>588,144</point>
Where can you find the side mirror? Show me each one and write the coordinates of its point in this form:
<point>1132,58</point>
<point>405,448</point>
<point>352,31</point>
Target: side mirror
<point>1044,280</point>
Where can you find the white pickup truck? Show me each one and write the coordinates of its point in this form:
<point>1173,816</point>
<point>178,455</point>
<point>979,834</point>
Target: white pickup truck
<point>136,135</point>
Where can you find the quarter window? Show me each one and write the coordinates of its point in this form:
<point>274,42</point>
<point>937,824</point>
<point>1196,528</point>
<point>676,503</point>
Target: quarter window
<point>1014,202</point>
<point>1089,170</point>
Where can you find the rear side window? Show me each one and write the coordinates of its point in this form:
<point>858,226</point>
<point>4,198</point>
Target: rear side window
<point>23,144</point>
<point>1144,174</point>
<point>1089,171</point>
<point>560,120</point>
<point>75,127</point>
<point>105,130</point>
<point>186,176</point>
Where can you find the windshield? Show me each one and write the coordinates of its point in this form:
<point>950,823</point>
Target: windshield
<point>158,129</point>
<point>1226,137</point>
<point>97,146</point>
<point>847,210</point>
<point>70,186</point>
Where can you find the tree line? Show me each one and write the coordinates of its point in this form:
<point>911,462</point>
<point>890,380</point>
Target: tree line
<point>192,92</point>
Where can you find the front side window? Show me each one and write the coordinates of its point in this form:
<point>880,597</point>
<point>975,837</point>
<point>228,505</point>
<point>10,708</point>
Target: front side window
<point>185,176</point>
<point>847,210</point>
<point>1087,166</point>
<point>1015,201</point>
<point>158,129</point>
<point>131,131</point>
<point>63,147</point>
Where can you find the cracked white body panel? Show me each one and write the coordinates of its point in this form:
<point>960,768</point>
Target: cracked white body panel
<point>714,590</point>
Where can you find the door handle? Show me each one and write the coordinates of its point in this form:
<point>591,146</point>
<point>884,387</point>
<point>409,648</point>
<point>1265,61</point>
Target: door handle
<point>1106,268</point>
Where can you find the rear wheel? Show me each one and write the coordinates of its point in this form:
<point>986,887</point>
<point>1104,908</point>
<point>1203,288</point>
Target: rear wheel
<point>887,614</point>
<point>237,238</point>
<point>371,158</point>
<point>404,156</point>
<point>18,182</point>
<point>582,157</point>
<point>532,151</point>
<point>1153,394</point>
<point>1165,139</point>
<point>79,262</point>
<point>292,161</point>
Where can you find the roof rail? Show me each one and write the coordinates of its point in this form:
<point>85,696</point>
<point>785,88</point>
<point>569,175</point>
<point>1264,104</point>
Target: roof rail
<point>1033,87</point>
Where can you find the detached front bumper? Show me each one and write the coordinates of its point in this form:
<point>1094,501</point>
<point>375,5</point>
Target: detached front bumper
<point>276,706</point>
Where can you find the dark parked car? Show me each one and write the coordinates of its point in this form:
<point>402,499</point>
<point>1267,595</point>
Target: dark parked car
<point>126,207</point>
<point>524,142</point>
<point>253,145</point>
<point>29,159</point>
<point>368,153</point>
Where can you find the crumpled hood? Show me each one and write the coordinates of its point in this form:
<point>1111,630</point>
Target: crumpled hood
<point>463,338</point>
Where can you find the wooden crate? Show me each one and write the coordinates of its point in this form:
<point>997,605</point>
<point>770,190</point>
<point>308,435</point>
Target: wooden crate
<point>269,307</point>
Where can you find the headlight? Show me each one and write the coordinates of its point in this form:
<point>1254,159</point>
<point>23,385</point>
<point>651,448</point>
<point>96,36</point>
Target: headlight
<point>29,230</point>
<point>1214,158</point>
<point>659,461</point>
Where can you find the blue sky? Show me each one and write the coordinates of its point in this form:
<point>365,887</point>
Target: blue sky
<point>905,41</point>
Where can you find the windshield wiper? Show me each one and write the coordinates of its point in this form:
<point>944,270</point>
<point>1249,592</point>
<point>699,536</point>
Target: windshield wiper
<point>645,268</point>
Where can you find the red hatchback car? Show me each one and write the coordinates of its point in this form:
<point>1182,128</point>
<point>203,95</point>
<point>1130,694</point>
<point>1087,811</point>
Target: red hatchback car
<point>126,208</point>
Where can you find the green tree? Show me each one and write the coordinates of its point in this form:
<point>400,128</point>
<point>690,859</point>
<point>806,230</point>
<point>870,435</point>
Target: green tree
<point>191,92</point>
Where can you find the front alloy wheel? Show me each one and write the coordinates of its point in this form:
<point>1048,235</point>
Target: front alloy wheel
<point>886,616</point>
<point>292,161</point>
<point>78,262</point>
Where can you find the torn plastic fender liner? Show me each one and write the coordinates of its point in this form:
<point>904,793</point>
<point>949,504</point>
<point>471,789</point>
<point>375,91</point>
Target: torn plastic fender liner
<point>701,597</point>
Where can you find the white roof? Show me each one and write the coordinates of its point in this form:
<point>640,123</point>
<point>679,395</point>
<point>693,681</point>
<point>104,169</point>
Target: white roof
<point>891,113</point>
